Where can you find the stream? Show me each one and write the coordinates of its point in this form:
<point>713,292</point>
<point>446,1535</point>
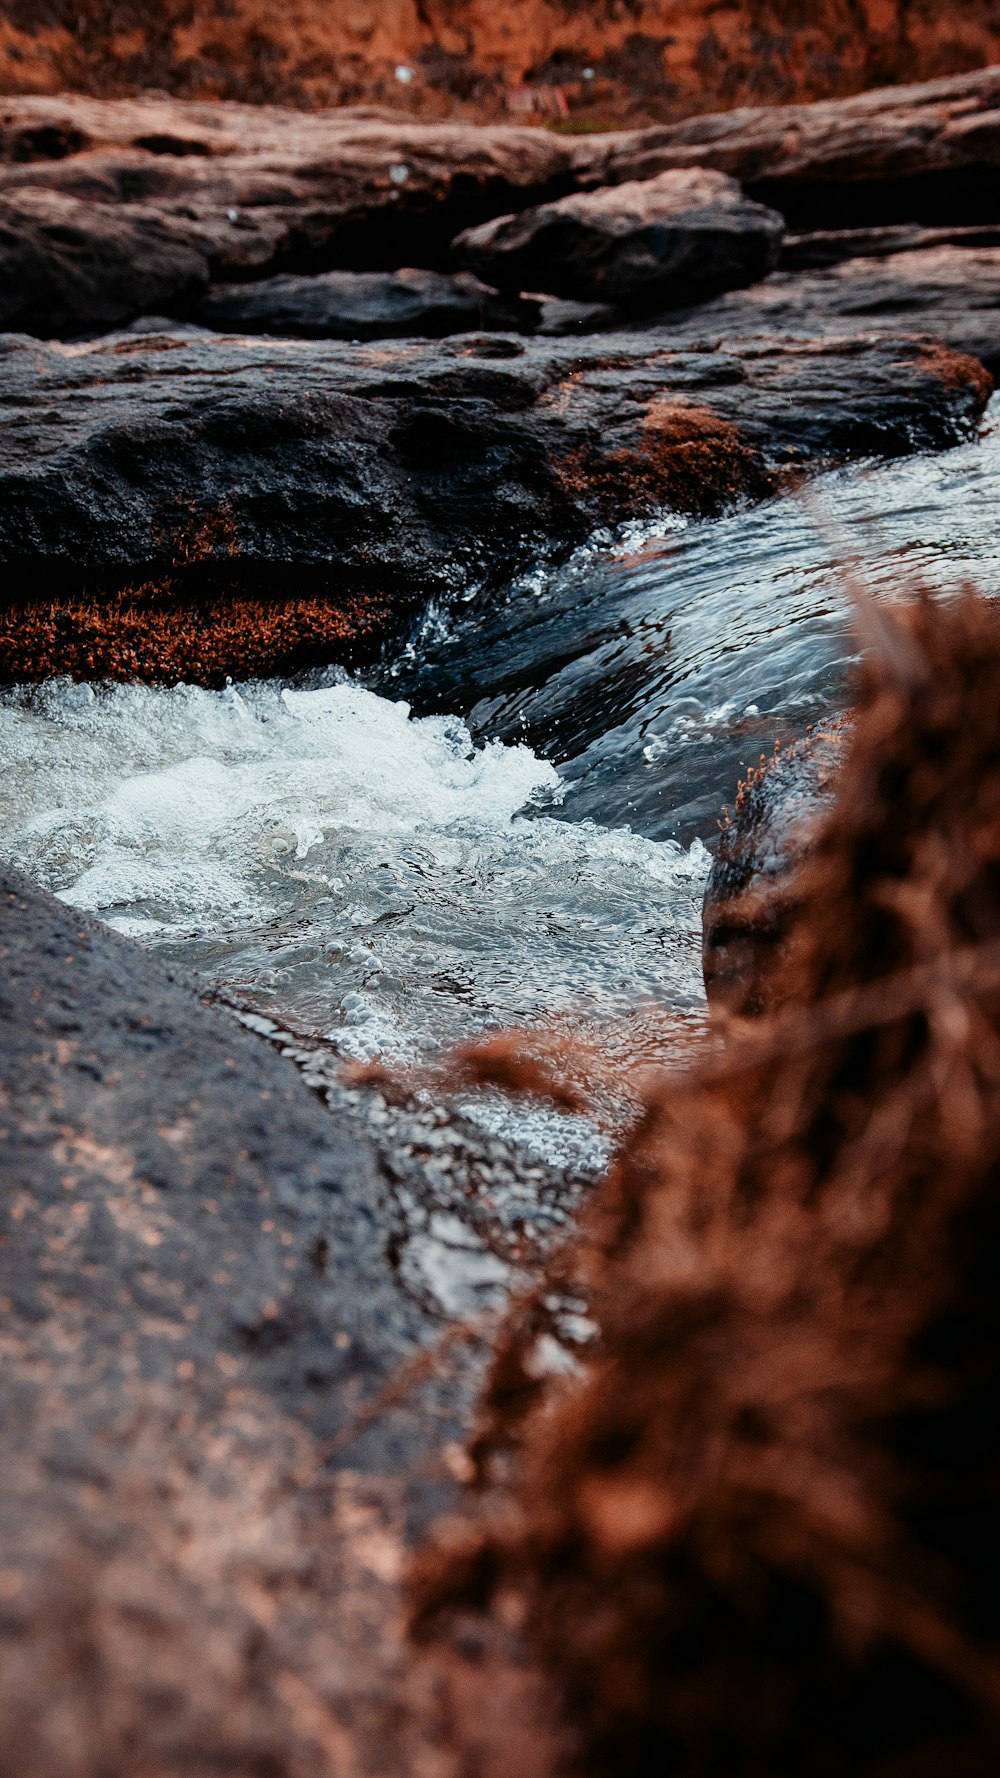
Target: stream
<point>508,822</point>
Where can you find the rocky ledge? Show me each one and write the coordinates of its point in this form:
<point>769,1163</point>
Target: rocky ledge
<point>148,483</point>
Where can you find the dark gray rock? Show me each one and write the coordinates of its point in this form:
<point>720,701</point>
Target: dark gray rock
<point>657,242</point>
<point>203,1508</point>
<point>404,468</point>
<point>950,292</point>
<point>68,267</point>
<point>364,306</point>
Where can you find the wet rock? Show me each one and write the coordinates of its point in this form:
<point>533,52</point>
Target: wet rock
<point>199,1504</point>
<point>68,267</point>
<point>142,477</point>
<point>656,242</point>
<point>950,292</point>
<point>750,900</point>
<point>364,306</point>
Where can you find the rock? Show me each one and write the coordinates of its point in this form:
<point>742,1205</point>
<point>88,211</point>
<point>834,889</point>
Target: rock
<point>262,189</point>
<point>830,246</point>
<point>905,154</point>
<point>202,1517</point>
<point>561,316</point>
<point>196,505</point>
<point>68,267</point>
<point>363,306</point>
<point>750,900</point>
<point>653,243</point>
<point>951,292</point>
<point>258,188</point>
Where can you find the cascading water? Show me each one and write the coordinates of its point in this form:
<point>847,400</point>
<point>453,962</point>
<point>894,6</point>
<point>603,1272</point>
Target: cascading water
<point>523,840</point>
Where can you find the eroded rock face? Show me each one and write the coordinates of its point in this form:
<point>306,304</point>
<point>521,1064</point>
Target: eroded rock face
<point>344,483</point>
<point>364,306</point>
<point>657,242</point>
<point>260,189</point>
<point>67,267</point>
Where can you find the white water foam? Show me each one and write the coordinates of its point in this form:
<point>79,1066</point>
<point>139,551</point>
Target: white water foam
<point>369,874</point>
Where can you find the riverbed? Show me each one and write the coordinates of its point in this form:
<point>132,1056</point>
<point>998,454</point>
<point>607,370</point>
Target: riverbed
<point>508,821</point>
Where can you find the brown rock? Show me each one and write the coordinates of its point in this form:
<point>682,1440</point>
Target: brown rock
<point>68,267</point>
<point>905,154</point>
<point>656,242</point>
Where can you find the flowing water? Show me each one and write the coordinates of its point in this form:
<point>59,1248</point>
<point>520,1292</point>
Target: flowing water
<point>507,823</point>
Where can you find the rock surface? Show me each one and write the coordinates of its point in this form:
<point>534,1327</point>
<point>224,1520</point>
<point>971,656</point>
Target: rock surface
<point>68,266</point>
<point>202,1530</point>
<point>905,154</point>
<point>255,189</point>
<point>950,292</point>
<point>363,306</point>
<point>656,242</point>
<point>181,466</point>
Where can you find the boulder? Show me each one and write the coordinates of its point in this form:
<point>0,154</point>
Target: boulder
<point>192,505</point>
<point>649,243</point>
<point>68,267</point>
<point>363,306</point>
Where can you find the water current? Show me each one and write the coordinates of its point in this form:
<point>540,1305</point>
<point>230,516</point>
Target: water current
<point>510,820</point>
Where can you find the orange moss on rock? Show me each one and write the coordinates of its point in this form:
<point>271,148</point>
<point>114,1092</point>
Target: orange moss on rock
<point>163,638</point>
<point>682,456</point>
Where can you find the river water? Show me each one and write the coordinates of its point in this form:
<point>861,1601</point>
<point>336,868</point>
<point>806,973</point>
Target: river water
<point>509,821</point>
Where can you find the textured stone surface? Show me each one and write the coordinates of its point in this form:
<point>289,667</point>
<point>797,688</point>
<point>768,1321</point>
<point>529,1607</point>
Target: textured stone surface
<point>261,188</point>
<point>404,468</point>
<point>950,292</point>
<point>661,241</point>
<point>67,267</point>
<point>903,154</point>
<point>202,1529</point>
<point>363,306</point>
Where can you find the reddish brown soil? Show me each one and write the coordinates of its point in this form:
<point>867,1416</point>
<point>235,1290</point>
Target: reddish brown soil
<point>759,1536</point>
<point>560,62</point>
